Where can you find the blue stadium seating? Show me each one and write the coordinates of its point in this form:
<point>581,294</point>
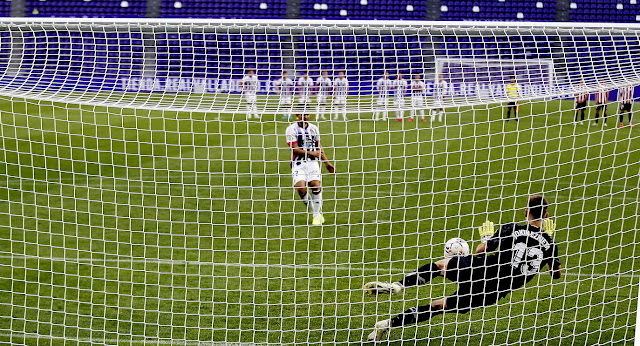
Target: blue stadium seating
<point>507,10</point>
<point>224,9</point>
<point>501,10</point>
<point>86,8</point>
<point>363,9</point>
<point>613,11</point>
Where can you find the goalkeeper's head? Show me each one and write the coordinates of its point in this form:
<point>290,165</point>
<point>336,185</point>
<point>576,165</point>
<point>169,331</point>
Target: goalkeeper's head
<point>537,208</point>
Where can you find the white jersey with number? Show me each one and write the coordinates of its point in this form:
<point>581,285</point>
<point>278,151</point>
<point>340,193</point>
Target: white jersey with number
<point>250,87</point>
<point>305,85</point>
<point>400,88</point>
<point>324,88</point>
<point>417,92</point>
<point>441,89</point>
<point>384,87</point>
<point>341,90</point>
<point>304,167</point>
<point>286,87</point>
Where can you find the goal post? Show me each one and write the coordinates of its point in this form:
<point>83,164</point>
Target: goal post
<point>147,184</point>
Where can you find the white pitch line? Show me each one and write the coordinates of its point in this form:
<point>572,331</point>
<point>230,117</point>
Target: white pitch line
<point>323,267</point>
<point>125,341</point>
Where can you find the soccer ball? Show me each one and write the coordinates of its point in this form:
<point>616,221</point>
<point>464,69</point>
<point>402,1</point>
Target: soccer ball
<point>456,247</point>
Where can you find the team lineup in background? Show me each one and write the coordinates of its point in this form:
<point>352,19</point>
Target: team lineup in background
<point>390,94</point>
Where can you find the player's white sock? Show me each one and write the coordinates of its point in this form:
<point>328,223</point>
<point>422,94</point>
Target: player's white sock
<point>316,202</point>
<point>344,113</point>
<point>440,116</point>
<point>375,115</point>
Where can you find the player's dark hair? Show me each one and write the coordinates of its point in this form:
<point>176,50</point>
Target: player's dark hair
<point>537,206</point>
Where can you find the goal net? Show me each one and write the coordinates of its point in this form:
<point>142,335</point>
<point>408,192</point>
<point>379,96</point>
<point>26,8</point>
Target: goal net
<point>147,196</point>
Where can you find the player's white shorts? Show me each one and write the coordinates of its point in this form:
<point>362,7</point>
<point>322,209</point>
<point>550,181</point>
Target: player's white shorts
<point>439,100</point>
<point>305,171</point>
<point>399,102</point>
<point>417,101</point>
<point>285,100</point>
<point>322,99</point>
<point>383,101</point>
<point>340,100</point>
<point>305,99</point>
<point>250,98</point>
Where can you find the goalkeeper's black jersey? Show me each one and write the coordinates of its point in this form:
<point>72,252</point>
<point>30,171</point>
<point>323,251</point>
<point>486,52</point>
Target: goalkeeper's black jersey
<point>521,252</point>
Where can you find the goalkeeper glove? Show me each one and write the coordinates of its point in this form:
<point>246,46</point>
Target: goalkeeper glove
<point>549,226</point>
<point>486,230</point>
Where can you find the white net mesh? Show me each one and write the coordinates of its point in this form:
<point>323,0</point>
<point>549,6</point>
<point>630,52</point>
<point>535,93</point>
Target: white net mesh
<point>138,204</point>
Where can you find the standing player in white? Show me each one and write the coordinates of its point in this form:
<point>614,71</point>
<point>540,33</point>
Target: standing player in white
<point>582,97</point>
<point>602,97</point>
<point>286,87</point>
<point>441,89</point>
<point>400,87</point>
<point>625,97</point>
<point>304,140</point>
<point>341,90</point>
<point>249,89</point>
<point>384,87</point>
<point>324,85</point>
<point>417,97</point>
<point>305,86</point>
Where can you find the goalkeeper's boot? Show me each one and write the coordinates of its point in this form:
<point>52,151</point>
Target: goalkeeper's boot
<point>486,230</point>
<point>379,287</point>
<point>318,219</point>
<point>379,330</point>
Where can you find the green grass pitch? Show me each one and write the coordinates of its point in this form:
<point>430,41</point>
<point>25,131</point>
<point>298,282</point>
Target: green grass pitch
<point>124,226</point>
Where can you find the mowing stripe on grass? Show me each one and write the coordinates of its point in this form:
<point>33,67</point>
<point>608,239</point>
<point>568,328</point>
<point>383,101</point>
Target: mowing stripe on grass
<point>323,267</point>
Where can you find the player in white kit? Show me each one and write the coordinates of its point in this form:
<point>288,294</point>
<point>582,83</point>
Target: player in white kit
<point>341,90</point>
<point>286,87</point>
<point>324,85</point>
<point>400,88</point>
<point>384,87</point>
<point>417,97</point>
<point>249,90</point>
<point>441,89</point>
<point>304,140</point>
<point>305,87</point>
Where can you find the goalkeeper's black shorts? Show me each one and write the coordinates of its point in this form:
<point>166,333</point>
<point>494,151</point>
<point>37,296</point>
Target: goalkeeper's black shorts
<point>478,283</point>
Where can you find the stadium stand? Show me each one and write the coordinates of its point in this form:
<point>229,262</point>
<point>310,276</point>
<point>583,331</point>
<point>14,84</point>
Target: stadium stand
<point>224,9</point>
<point>502,10</point>
<point>86,8</point>
<point>614,11</point>
<point>218,56</point>
<point>363,9</point>
<point>450,10</point>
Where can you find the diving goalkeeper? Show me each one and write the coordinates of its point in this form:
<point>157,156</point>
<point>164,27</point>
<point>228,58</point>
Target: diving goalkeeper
<point>521,250</point>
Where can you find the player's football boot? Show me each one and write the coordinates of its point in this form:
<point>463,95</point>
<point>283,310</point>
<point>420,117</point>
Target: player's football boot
<point>621,125</point>
<point>486,230</point>
<point>631,125</point>
<point>318,219</point>
<point>410,119</point>
<point>379,330</point>
<point>379,287</point>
